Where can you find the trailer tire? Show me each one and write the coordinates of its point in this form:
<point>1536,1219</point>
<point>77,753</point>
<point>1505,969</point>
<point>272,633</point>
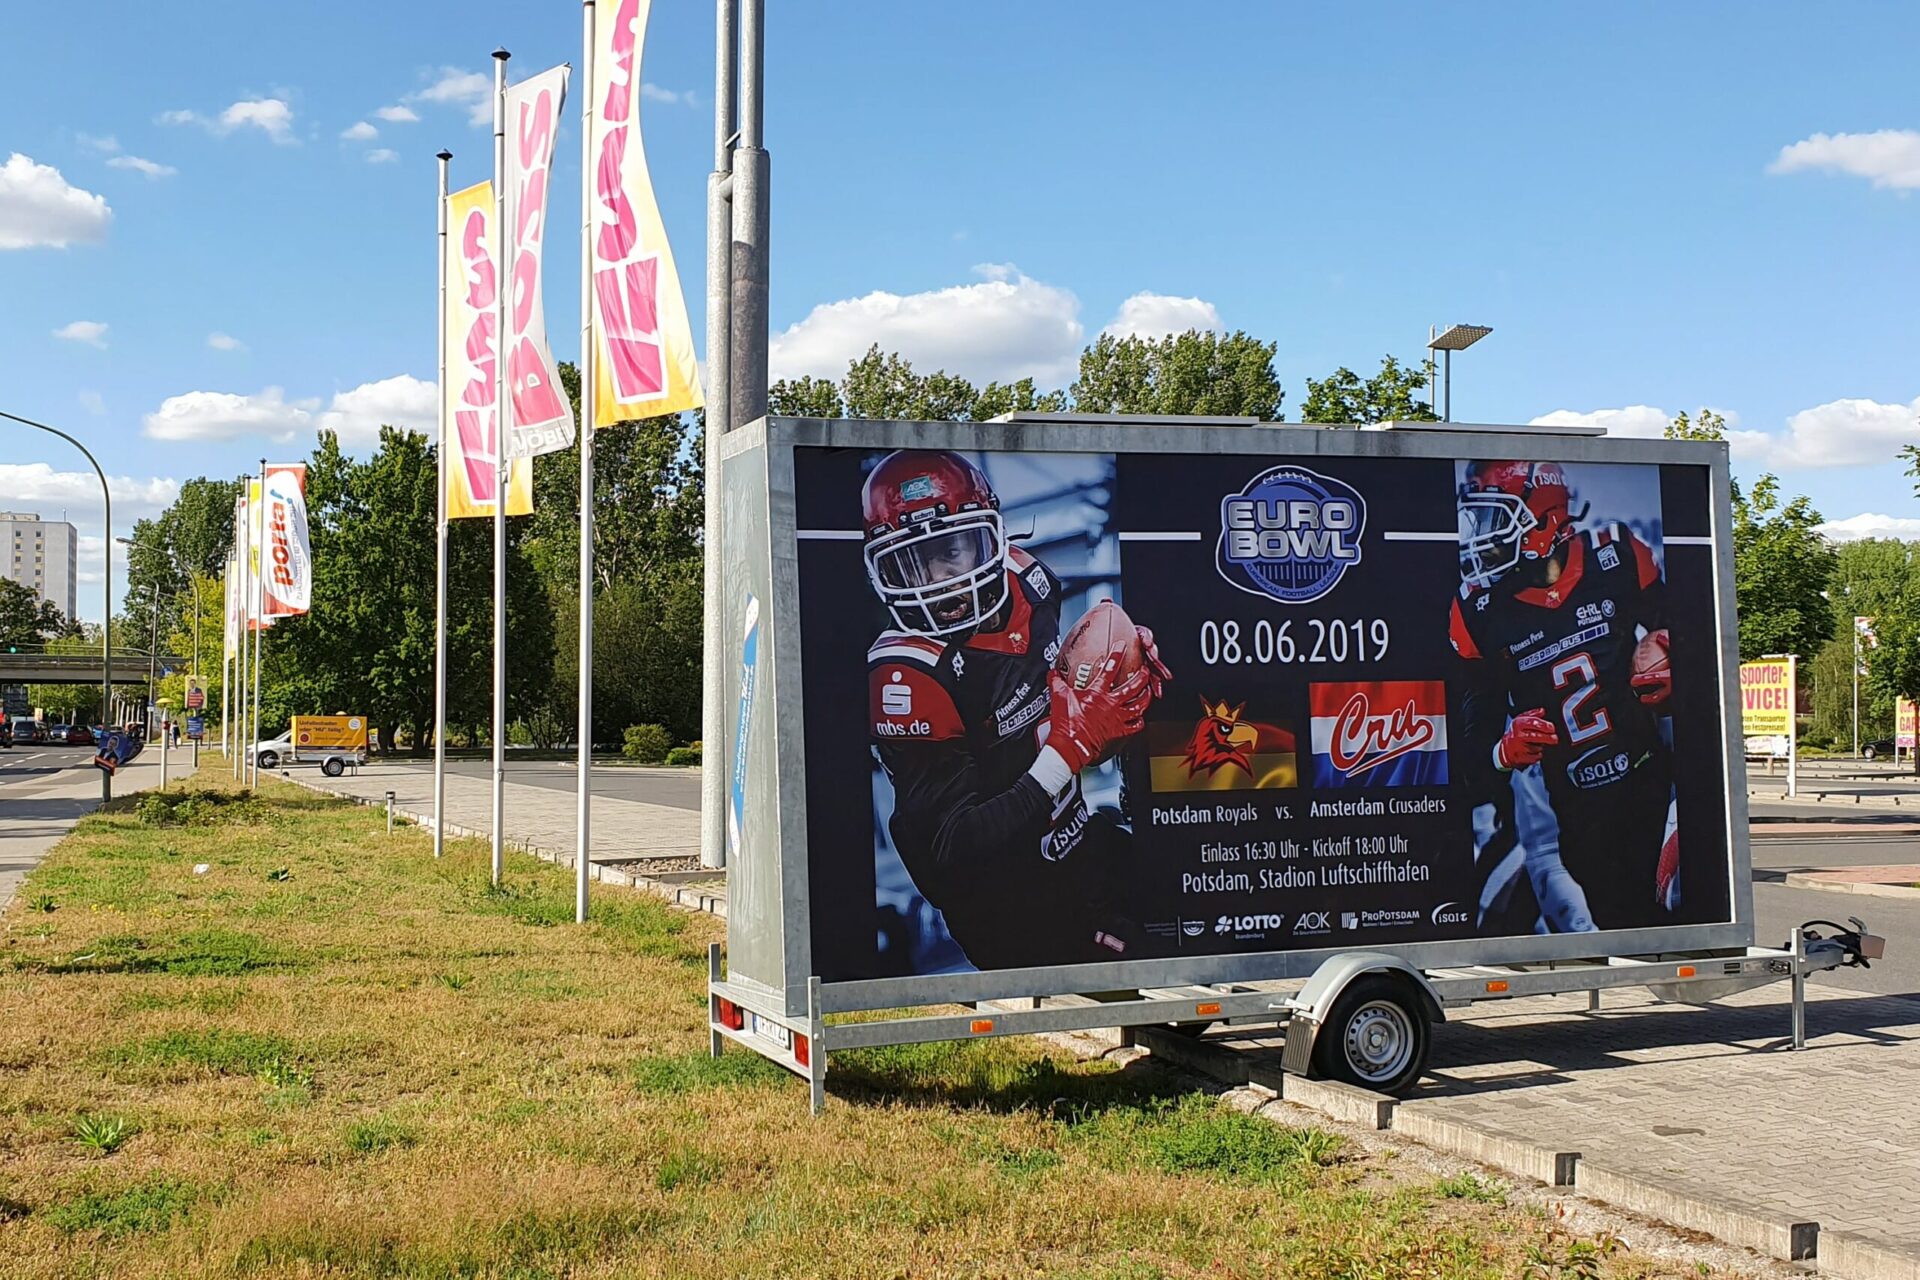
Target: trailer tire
<point>1375,1036</point>
<point>333,767</point>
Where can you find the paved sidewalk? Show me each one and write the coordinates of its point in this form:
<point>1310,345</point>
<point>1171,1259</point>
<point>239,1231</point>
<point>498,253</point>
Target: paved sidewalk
<point>536,816</point>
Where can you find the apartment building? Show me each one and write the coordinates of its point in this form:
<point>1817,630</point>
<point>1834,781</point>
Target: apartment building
<point>40,554</point>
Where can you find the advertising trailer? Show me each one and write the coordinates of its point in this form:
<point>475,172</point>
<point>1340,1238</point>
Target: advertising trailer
<point>1169,710</point>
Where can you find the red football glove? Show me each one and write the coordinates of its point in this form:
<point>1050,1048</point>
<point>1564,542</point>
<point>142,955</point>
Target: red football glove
<point>1085,727</point>
<point>1525,740</point>
<point>1654,687</point>
<point>1159,669</point>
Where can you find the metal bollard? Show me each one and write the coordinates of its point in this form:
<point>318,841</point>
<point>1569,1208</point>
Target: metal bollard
<point>389,813</point>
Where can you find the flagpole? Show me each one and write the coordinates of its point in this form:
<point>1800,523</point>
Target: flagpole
<point>503,419</point>
<point>244,635</point>
<point>260,630</point>
<point>440,546</point>
<point>583,746</point>
<point>713,666</point>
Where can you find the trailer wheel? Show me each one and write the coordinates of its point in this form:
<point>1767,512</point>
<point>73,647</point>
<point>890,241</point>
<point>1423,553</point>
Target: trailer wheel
<point>333,767</point>
<point>1376,1036</point>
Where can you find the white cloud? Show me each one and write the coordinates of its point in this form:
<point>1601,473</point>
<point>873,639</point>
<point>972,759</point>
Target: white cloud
<point>359,131</point>
<point>380,155</point>
<point>397,114</point>
<point>225,342</point>
<point>222,415</point>
<point>1004,327</point>
<point>93,403</point>
<point>272,116</point>
<point>1155,315</point>
<point>99,141</point>
<point>457,88</point>
<point>1888,158</point>
<point>138,164</point>
<point>1639,421</point>
<point>357,415</point>
<point>91,332</point>
<point>40,208</point>
<point>401,401</point>
<point>1870,524</point>
<point>654,93</point>
<point>1840,433</point>
<point>36,486</point>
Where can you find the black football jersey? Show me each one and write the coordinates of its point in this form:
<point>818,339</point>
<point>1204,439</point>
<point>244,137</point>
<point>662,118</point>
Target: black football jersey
<point>957,725</point>
<point>1568,650</point>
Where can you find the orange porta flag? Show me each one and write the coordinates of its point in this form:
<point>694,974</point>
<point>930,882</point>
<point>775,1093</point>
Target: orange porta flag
<point>643,361</point>
<point>470,394</point>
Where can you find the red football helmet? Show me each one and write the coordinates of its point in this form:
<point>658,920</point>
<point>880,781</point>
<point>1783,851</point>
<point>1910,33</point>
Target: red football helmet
<point>936,550</point>
<point>1509,512</point>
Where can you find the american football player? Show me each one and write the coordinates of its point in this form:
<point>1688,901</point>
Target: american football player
<point>983,741</point>
<point>1548,619</point>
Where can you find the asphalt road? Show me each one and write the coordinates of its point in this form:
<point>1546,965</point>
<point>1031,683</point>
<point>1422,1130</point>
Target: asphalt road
<point>45,790</point>
<point>676,788</point>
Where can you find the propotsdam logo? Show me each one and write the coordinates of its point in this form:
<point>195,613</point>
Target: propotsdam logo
<point>1290,534</point>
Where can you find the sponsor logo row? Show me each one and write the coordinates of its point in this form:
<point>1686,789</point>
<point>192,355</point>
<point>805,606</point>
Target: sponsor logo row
<point>1307,924</point>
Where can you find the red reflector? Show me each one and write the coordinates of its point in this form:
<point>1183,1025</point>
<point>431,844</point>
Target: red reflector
<point>731,1017</point>
<point>1206,1010</point>
<point>982,1026</point>
<point>1686,971</point>
<point>802,1051</point>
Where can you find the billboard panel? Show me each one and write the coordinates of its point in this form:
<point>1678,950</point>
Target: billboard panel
<point>1903,724</point>
<point>1766,697</point>
<point>1337,701</point>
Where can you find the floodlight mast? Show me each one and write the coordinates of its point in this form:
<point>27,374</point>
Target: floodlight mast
<point>1457,338</point>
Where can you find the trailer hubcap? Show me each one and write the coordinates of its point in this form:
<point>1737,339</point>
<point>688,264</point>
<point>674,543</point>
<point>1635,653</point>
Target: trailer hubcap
<point>1379,1040</point>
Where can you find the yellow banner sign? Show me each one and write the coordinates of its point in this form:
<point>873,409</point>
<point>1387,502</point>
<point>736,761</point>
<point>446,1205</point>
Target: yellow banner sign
<point>1766,697</point>
<point>1903,724</point>
<point>470,397</point>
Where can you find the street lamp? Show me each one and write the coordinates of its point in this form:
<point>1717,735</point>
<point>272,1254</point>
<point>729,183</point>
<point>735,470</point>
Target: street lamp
<point>106,612</point>
<point>1457,338</point>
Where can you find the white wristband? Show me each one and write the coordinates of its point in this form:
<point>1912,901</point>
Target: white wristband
<point>1051,772</point>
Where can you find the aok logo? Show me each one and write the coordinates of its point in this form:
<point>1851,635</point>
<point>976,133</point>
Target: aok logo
<point>1290,534</point>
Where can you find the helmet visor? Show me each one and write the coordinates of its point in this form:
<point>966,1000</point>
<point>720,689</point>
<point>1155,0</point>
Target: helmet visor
<point>928,562</point>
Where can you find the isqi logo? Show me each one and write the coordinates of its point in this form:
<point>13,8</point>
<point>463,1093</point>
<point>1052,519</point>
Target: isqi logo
<point>1290,534</point>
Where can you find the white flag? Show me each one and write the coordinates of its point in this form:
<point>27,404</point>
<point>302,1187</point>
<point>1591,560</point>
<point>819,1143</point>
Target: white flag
<point>542,421</point>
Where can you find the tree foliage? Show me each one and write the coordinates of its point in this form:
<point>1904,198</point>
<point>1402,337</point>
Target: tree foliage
<point>1781,568</point>
<point>1387,396</point>
<point>25,618</point>
<point>1205,374</point>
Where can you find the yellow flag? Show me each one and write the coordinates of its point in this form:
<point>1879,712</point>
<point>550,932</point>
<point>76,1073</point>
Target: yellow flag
<point>643,363</point>
<point>469,397</point>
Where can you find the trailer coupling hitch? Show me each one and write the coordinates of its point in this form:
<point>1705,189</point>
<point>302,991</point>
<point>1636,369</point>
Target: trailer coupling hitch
<point>1856,946</point>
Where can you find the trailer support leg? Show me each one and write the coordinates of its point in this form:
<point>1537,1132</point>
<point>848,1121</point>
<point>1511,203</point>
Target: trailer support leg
<point>817,1058</point>
<point>1799,989</point>
<point>715,1041</point>
<point>1593,1000</point>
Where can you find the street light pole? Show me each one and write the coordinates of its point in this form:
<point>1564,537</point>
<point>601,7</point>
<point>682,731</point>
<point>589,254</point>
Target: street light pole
<point>106,591</point>
<point>1457,338</point>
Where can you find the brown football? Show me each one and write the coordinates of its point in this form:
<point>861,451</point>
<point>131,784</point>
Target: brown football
<point>1104,645</point>
<point>1651,655</point>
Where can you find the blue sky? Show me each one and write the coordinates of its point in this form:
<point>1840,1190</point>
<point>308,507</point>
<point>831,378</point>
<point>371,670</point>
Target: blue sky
<point>1657,207</point>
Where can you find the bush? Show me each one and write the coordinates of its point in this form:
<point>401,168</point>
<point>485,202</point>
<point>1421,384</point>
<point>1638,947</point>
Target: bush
<point>646,743</point>
<point>684,755</point>
<point>195,808</point>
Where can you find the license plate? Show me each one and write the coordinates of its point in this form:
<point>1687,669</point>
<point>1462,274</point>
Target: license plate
<point>769,1030</point>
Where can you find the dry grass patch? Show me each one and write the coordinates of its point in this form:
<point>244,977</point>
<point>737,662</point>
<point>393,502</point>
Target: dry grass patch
<point>331,1055</point>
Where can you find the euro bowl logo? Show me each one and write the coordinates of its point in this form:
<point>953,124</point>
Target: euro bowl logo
<point>1290,534</point>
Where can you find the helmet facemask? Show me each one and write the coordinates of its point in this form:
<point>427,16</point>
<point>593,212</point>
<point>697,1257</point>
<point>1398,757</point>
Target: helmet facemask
<point>941,575</point>
<point>1492,527</point>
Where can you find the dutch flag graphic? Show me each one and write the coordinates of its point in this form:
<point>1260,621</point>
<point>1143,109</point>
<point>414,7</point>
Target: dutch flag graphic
<point>1379,733</point>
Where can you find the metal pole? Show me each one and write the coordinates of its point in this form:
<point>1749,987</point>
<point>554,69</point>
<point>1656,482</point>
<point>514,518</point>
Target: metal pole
<point>1793,726</point>
<point>1799,988</point>
<point>1856,687</point>
<point>389,813</point>
<point>502,470</point>
<point>153,645</point>
<point>440,544</point>
<point>713,765</point>
<point>106,590</point>
<point>242,639</point>
<point>260,592</point>
<point>1449,412</point>
<point>196,673</point>
<point>583,732</point>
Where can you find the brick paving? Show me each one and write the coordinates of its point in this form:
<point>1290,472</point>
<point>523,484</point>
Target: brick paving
<point>1709,1102</point>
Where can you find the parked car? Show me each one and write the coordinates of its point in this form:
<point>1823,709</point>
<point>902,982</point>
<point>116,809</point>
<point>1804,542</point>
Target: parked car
<point>78,735</point>
<point>27,731</point>
<point>56,734</point>
<point>270,752</point>
<point>1877,748</point>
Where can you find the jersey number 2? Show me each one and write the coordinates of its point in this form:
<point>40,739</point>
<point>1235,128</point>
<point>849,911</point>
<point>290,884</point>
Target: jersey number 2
<point>1565,672</point>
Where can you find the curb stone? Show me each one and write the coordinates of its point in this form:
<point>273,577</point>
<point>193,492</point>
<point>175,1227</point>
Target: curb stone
<point>1803,880</point>
<point>1344,1102</point>
<point>692,898</point>
<point>1776,1235</point>
<point>1487,1146</point>
<point>1845,1254</point>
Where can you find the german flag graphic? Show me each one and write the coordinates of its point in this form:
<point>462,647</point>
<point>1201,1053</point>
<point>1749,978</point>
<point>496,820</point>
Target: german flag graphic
<point>1221,751</point>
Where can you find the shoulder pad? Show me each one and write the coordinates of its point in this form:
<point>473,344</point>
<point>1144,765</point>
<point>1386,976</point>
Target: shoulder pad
<point>908,703</point>
<point>905,646</point>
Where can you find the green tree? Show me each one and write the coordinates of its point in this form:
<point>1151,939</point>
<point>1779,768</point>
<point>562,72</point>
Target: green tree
<point>26,619</point>
<point>1206,374</point>
<point>1707,425</point>
<point>190,537</point>
<point>1387,396</point>
<point>806,397</point>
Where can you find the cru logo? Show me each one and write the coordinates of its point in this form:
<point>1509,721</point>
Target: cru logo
<point>1379,733</point>
<point>1314,922</point>
<point>1448,913</point>
<point>1247,926</point>
<point>1290,534</point>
